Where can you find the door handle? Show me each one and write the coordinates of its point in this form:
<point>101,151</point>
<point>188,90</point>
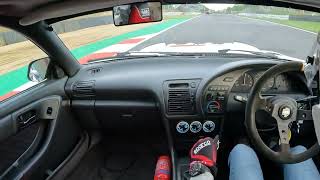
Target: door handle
<point>26,119</point>
<point>29,120</point>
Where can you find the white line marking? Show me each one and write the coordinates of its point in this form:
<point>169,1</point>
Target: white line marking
<point>120,48</point>
<point>279,24</point>
<point>158,33</point>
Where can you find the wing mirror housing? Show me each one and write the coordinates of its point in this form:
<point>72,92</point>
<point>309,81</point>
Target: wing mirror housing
<point>37,70</point>
<point>136,13</point>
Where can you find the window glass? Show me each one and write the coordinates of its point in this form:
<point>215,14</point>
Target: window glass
<point>194,28</point>
<point>16,52</point>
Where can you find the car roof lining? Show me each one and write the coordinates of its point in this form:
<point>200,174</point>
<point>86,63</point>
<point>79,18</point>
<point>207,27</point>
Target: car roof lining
<point>33,11</point>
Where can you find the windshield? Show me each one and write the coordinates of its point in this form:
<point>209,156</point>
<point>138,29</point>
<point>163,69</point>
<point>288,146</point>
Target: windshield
<point>198,28</point>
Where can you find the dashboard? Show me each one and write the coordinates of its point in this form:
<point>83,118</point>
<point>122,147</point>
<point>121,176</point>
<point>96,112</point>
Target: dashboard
<point>179,98</point>
<point>237,85</point>
<point>224,97</point>
<point>189,97</point>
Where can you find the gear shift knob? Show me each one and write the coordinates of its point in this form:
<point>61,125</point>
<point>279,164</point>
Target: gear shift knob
<point>205,151</point>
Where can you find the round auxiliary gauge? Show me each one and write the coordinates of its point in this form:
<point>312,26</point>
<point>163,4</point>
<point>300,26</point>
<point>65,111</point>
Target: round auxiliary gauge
<point>213,107</point>
<point>195,126</point>
<point>208,126</point>
<point>182,127</point>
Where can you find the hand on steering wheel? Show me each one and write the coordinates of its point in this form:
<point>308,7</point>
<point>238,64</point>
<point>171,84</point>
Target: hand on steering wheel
<point>283,110</point>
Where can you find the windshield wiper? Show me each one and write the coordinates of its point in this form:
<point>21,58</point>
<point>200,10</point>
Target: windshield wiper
<point>270,55</point>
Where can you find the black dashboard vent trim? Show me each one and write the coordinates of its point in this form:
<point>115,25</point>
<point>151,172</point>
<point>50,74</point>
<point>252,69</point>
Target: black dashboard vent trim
<point>83,89</point>
<point>180,96</point>
<point>180,101</point>
<point>94,71</point>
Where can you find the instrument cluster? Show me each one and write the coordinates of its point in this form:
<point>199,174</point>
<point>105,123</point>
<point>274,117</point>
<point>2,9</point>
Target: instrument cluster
<point>274,84</point>
<point>240,82</point>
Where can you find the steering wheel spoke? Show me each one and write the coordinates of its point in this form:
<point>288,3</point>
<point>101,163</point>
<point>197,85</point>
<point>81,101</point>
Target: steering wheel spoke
<point>285,149</point>
<point>264,104</point>
<point>284,132</point>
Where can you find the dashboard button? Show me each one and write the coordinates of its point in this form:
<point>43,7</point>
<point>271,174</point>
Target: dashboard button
<point>209,126</point>
<point>182,127</point>
<point>195,126</point>
<point>209,97</point>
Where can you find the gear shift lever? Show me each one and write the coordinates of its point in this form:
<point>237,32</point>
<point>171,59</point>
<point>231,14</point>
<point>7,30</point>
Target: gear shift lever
<point>203,158</point>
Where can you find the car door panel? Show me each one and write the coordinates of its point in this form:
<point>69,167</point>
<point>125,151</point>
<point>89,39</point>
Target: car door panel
<point>46,108</point>
<point>8,127</point>
<point>42,119</point>
<point>13,147</point>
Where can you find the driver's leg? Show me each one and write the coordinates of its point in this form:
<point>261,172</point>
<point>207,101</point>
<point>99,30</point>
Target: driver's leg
<point>305,170</point>
<point>244,164</point>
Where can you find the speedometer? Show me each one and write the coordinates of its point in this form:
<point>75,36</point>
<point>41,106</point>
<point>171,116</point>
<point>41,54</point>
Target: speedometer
<point>245,82</point>
<point>268,85</point>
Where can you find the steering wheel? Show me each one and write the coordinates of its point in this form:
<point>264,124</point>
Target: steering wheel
<point>283,110</point>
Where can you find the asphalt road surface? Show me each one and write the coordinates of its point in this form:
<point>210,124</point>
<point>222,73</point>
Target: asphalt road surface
<point>228,28</point>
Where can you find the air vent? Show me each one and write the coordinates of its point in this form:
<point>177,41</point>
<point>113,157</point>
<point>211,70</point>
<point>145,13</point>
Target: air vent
<point>94,71</point>
<point>83,89</point>
<point>179,101</point>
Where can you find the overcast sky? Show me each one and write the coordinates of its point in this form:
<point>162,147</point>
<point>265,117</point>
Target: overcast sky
<point>218,7</point>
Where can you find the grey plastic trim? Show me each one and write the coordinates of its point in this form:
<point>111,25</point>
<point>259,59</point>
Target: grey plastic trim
<point>8,127</point>
<point>66,167</point>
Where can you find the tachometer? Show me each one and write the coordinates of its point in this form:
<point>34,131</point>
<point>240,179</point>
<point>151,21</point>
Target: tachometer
<point>245,81</point>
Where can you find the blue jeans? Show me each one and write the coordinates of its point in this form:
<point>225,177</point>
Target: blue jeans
<point>244,165</point>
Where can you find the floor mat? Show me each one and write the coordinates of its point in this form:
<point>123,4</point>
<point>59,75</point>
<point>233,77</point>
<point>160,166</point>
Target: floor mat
<point>118,161</point>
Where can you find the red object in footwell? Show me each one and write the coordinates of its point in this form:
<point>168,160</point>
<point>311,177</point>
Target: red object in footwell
<point>163,168</point>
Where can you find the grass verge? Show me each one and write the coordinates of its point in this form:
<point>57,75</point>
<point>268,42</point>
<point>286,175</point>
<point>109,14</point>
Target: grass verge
<point>305,25</point>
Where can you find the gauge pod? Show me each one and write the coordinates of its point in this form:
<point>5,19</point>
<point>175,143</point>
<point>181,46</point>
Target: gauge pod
<point>195,126</point>
<point>213,107</point>
<point>182,127</point>
<point>208,126</point>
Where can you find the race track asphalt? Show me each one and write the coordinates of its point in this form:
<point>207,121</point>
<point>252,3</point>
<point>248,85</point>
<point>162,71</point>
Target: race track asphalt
<point>229,28</point>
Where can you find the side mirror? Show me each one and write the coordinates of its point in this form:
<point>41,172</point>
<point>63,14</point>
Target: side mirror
<point>37,70</point>
<point>137,13</point>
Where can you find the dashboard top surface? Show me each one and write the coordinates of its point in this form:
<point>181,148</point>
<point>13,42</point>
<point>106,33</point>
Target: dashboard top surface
<point>142,79</point>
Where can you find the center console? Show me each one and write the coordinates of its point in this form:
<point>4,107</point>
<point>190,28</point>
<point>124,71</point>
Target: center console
<point>187,121</point>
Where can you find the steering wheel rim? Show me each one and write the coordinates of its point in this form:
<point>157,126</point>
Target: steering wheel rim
<point>256,102</point>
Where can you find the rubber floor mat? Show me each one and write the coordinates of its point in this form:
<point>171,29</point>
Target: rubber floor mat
<point>118,161</point>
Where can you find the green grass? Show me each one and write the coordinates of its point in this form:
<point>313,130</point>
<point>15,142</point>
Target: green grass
<point>305,25</point>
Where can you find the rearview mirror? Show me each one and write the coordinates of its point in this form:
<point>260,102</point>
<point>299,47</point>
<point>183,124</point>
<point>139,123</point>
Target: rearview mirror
<point>137,13</point>
<point>37,70</point>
